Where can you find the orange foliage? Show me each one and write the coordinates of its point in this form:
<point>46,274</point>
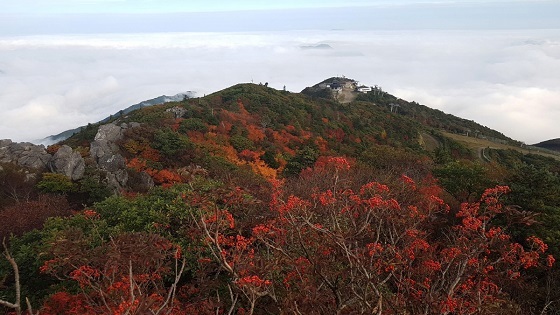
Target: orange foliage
<point>306,134</point>
<point>333,163</point>
<point>137,164</point>
<point>229,153</point>
<point>242,109</point>
<point>291,129</point>
<point>164,177</point>
<point>150,153</point>
<point>283,138</point>
<point>264,170</point>
<point>255,133</point>
<point>224,127</point>
<point>280,159</point>
<point>250,156</point>
<point>195,136</point>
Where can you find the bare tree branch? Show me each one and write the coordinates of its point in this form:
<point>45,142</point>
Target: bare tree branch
<point>17,304</point>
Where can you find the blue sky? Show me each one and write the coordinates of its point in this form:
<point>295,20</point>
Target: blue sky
<point>30,17</point>
<point>160,6</point>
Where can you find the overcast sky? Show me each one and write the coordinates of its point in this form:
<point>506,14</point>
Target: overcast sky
<point>64,63</point>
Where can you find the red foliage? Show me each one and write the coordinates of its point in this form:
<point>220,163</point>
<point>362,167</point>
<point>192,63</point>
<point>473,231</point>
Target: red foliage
<point>249,156</point>
<point>336,134</point>
<point>26,216</point>
<point>164,177</point>
<point>150,154</point>
<point>124,276</point>
<point>137,164</point>
<point>377,253</point>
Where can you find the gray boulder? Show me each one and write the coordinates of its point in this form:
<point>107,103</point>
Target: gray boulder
<point>117,180</point>
<point>110,132</point>
<point>177,111</point>
<point>67,162</point>
<point>101,148</point>
<point>111,162</point>
<point>145,182</point>
<point>24,154</point>
<point>5,142</point>
<point>105,153</point>
<point>107,135</point>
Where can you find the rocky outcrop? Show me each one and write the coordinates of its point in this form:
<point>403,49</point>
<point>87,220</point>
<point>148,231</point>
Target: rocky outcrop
<point>105,153</point>
<point>177,111</point>
<point>140,182</point>
<point>109,132</point>
<point>67,162</point>
<point>100,149</point>
<point>35,157</point>
<point>111,162</point>
<point>24,154</point>
<point>106,137</point>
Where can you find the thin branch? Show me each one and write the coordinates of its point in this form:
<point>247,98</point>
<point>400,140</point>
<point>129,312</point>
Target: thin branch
<point>172,290</point>
<point>29,308</point>
<point>17,304</point>
<point>233,300</point>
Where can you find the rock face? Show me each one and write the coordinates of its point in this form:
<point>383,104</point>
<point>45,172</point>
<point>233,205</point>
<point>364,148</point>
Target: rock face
<point>106,154</point>
<point>101,148</point>
<point>67,162</point>
<point>177,111</point>
<point>140,181</point>
<point>24,154</point>
<point>103,151</point>
<point>32,156</point>
<point>110,132</point>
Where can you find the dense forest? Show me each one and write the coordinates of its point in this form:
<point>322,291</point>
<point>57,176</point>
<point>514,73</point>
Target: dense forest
<point>258,201</point>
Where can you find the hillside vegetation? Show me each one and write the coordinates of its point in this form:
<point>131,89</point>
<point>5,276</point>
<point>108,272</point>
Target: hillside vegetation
<point>553,145</point>
<point>252,200</point>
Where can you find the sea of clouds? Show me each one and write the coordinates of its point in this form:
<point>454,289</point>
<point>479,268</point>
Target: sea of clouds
<point>506,80</point>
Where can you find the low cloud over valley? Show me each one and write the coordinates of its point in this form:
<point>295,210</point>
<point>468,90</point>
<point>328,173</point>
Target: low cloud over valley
<point>506,80</point>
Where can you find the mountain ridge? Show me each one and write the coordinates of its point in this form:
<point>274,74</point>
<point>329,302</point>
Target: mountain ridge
<point>213,181</point>
<point>552,144</point>
<point>332,87</point>
<point>150,102</point>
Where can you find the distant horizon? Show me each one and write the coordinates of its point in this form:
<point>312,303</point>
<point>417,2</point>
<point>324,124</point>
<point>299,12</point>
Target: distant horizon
<point>403,15</point>
<point>64,63</point>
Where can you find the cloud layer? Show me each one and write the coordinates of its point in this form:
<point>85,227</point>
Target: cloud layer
<point>506,80</point>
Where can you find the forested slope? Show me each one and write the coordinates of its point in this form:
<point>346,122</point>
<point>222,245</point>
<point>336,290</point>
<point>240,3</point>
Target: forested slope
<point>257,201</point>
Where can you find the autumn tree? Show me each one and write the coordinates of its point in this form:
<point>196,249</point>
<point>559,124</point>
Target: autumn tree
<point>382,255</point>
<point>123,276</point>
